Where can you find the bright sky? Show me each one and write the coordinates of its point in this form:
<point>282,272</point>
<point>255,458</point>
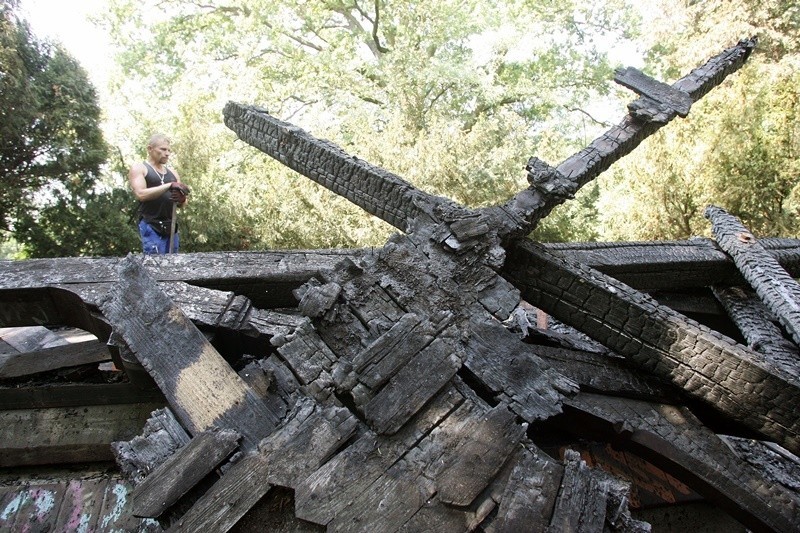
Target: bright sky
<point>67,21</point>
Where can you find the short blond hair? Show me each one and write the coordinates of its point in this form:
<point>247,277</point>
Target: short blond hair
<point>158,138</point>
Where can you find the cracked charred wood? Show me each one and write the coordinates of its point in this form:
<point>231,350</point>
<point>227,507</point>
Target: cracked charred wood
<point>182,471</point>
<point>738,382</point>
<point>200,386</point>
<point>776,288</point>
<point>551,186</point>
<point>673,439</point>
<point>75,395</point>
<point>757,325</point>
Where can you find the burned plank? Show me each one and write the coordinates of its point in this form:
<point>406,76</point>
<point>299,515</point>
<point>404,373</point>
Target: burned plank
<point>67,435</point>
<point>182,471</point>
<point>735,381</point>
<point>53,358</point>
<point>674,99</point>
<point>530,495</point>
<point>229,499</point>
<point>776,288</point>
<point>200,386</point>
<point>581,504</point>
<point>76,394</point>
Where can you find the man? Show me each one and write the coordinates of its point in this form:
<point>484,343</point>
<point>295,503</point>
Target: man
<point>159,190</point>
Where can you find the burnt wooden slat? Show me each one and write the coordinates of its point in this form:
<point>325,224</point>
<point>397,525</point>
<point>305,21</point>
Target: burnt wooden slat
<point>732,379</point>
<point>53,358</point>
<point>182,471</point>
<point>161,437</point>
<point>200,386</point>
<point>331,489</point>
<point>227,501</point>
<point>74,395</point>
<point>755,322</point>
<point>529,499</point>
<point>305,442</point>
<point>642,84</point>
<point>67,435</point>
<point>581,503</point>
<point>776,288</point>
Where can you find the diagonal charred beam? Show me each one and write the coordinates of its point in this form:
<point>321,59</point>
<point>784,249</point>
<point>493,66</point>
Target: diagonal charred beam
<point>732,379</point>
<point>377,191</point>
<point>776,288</point>
<point>756,324</point>
<point>673,439</point>
<point>552,186</point>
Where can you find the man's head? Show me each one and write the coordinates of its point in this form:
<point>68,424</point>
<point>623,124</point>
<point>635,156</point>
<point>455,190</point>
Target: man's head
<point>158,148</point>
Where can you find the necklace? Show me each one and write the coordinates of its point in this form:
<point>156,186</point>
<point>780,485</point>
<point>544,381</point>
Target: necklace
<point>160,175</point>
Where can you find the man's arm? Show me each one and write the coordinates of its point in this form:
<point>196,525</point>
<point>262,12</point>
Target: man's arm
<point>139,185</point>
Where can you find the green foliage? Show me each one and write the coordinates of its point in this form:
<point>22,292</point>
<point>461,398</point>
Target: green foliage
<point>451,95</point>
<point>51,146</point>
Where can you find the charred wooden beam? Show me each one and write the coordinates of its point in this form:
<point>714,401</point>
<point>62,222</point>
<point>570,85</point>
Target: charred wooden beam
<point>757,325</point>
<point>182,471</point>
<point>730,378</point>
<point>377,191</point>
<point>53,358</point>
<point>200,386</point>
<point>551,186</point>
<point>67,434</point>
<point>776,288</point>
<point>76,395</point>
<point>673,439</point>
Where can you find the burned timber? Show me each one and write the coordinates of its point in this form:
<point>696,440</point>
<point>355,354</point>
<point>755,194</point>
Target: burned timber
<point>459,378</point>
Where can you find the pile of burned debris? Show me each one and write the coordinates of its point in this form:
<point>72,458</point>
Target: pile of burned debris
<point>459,378</point>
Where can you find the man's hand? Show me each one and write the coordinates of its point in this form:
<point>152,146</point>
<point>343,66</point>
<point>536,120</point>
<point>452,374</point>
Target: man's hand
<point>178,192</point>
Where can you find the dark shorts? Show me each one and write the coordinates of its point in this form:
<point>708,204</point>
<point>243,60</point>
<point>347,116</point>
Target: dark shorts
<point>153,243</point>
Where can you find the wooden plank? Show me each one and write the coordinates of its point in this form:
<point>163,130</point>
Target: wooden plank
<point>32,507</point>
<point>32,338</point>
<point>489,442</point>
<point>643,85</point>
<point>776,288</point>
<point>53,358</point>
<point>182,471</point>
<point>580,505</point>
<point>529,498</point>
<point>756,324</point>
<point>202,389</point>
<point>331,490</point>
<point>306,441</point>
<point>227,501</point>
<point>413,385</point>
<point>73,395</point>
<point>67,435</point>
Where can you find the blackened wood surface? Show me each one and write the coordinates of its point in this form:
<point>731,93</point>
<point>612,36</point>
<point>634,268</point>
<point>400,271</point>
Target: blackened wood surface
<point>74,395</point>
<point>732,379</point>
<point>200,386</point>
<point>755,322</point>
<point>637,81</point>
<point>581,504</point>
<point>227,501</point>
<point>182,471</point>
<point>161,437</point>
<point>673,439</point>
<point>374,189</point>
<point>776,288</point>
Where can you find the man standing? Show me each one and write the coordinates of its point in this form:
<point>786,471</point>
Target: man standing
<point>159,191</point>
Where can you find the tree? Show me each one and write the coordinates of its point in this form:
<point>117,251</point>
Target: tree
<point>51,145</point>
<point>451,95</point>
